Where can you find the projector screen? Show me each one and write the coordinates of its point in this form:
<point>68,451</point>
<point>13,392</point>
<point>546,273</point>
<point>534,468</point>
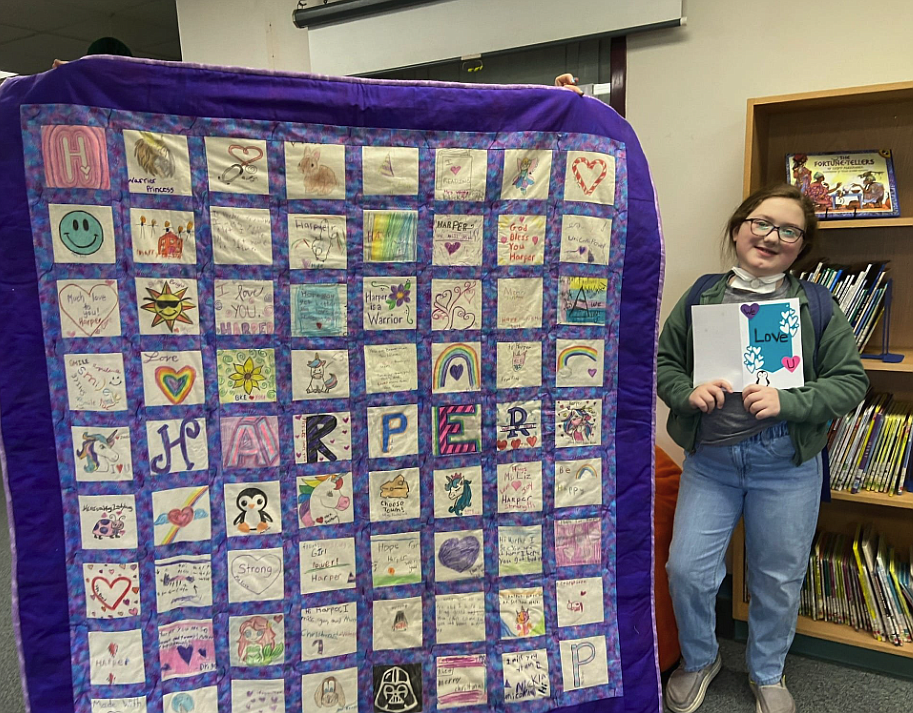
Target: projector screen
<point>453,28</point>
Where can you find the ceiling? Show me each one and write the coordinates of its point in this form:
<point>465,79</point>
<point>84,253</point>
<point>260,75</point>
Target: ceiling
<point>33,33</point>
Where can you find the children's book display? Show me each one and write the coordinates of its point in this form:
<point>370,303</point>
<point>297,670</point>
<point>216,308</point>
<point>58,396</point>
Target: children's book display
<point>327,395</point>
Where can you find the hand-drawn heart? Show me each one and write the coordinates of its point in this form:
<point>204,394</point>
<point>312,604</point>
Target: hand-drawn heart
<point>582,249</point>
<point>180,517</point>
<point>442,300</point>
<point>532,440</point>
<point>202,652</point>
<point>112,649</point>
<point>591,181</point>
<point>592,373</point>
<point>515,443</point>
<point>452,247</point>
<point>790,363</point>
<point>186,653</point>
<point>502,445</point>
<point>256,573</point>
<point>455,169</point>
<point>456,371</point>
<point>535,239</point>
<point>504,239</point>
<point>176,385</point>
<point>242,154</point>
<point>102,298</point>
<point>515,484</point>
<point>134,611</point>
<point>110,593</point>
<point>120,467</point>
<point>459,553</point>
<point>750,310</point>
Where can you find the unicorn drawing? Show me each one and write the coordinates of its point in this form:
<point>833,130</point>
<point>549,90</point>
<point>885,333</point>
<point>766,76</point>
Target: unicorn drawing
<point>321,500</point>
<point>458,490</point>
<point>98,452</point>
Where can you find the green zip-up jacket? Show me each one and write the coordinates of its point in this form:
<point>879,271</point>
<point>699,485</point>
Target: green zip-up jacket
<point>833,387</point>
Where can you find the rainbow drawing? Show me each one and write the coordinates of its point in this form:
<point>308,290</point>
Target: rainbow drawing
<point>447,360</point>
<point>181,518</point>
<point>390,235</point>
<point>576,350</point>
<point>583,471</point>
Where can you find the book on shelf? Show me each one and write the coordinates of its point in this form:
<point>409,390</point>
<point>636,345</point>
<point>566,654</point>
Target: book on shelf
<point>859,581</point>
<point>870,448</point>
<point>859,290</point>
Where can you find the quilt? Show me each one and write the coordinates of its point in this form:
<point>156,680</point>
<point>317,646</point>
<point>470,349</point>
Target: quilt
<point>326,395</point>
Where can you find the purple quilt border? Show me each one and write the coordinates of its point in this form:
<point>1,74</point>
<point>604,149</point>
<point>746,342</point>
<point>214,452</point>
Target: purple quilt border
<point>36,522</point>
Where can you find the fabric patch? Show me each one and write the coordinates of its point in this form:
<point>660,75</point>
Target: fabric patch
<point>257,695</point>
<point>457,429</point>
<point>257,640</point>
<point>167,306</point>
<point>578,482</point>
<point>320,374</point>
<point>585,239</point>
<point>579,362</point>
<point>244,307</point>
<point>181,515</point>
<point>390,368</point>
<point>522,612</point>
<point>519,364</point>
<point>319,310</point>
<point>458,492</point>
<point>460,618</point>
<point>325,499</point>
<point>460,174</point>
<point>75,157</point>
<point>327,565</point>
<point>183,581</point>
<point>116,657</point>
<point>201,700</point>
<point>112,590</point>
<point>582,300</point>
<point>157,164</point>
<point>186,648</point>
<point>246,375</point>
<point>163,236</point>
<point>394,494</point>
<point>579,601</point>
<point>525,675</point>
<point>82,234</point>
<point>527,173</point>
<point>252,508</point>
<point>519,550</point>
<point>177,445</point>
<point>392,431</point>
<point>520,303</point>
<point>316,242</point>
<point>315,171</point>
<point>456,367</point>
<point>520,487</point>
<point>335,691</point>
<point>237,165</point>
<point>456,305</point>
<point>583,663</point>
<point>255,575</point>
<point>173,378</point>
<point>241,236</point>
<point>102,454</point>
<point>120,705</point>
<point>108,522</point>
<point>396,559</point>
<point>389,235</point>
<point>590,177</point>
<point>329,631</point>
<point>578,423</point>
<point>457,239</point>
<point>462,681</point>
<point>321,437</point>
<point>398,688</point>
<point>521,239</point>
<point>88,308</point>
<point>397,623</point>
<point>389,303</point>
<point>459,554</point>
<point>519,425</point>
<point>250,441</point>
<point>389,171</point>
<point>578,542</point>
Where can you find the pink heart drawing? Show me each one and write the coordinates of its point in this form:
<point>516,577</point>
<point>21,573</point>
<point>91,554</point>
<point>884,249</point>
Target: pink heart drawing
<point>791,363</point>
<point>182,517</point>
<point>455,169</point>
<point>597,171</point>
<point>515,484</point>
<point>535,239</point>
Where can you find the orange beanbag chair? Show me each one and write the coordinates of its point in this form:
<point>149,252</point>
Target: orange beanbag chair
<point>668,475</point>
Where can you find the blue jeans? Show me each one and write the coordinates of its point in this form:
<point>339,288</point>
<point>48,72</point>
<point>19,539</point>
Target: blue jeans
<point>757,480</point>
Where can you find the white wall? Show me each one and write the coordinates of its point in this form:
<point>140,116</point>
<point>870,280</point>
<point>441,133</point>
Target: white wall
<point>687,90</point>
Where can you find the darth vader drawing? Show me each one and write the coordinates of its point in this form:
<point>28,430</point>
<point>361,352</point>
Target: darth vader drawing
<point>394,691</point>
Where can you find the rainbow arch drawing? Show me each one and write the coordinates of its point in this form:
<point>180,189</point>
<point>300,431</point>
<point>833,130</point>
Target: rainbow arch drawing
<point>576,350</point>
<point>584,471</point>
<point>454,353</point>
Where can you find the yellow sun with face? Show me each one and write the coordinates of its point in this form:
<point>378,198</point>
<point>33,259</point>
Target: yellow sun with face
<point>167,306</point>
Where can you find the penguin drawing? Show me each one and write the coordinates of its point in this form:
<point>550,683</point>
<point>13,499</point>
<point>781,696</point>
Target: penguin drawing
<point>252,504</point>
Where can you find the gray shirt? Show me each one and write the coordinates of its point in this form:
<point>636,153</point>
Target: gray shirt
<point>732,423</point>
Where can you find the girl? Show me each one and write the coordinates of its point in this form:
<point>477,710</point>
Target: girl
<point>257,643</point>
<point>755,455</point>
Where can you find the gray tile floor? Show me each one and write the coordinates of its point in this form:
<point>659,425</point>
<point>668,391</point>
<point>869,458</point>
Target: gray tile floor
<point>818,687</point>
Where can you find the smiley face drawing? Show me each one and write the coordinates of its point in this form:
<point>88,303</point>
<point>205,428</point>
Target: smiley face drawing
<point>81,232</point>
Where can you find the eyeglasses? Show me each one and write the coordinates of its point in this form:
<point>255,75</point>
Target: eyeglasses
<point>761,228</point>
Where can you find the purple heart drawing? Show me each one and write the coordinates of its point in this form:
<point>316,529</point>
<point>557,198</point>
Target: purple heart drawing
<point>459,553</point>
<point>750,310</point>
<point>452,247</point>
<point>202,652</point>
<point>186,653</point>
<point>456,371</point>
<point>592,373</point>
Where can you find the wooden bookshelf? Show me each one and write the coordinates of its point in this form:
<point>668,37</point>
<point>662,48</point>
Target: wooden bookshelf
<point>854,119</point>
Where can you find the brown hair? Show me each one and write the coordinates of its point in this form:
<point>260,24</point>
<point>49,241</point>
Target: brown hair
<point>780,190</point>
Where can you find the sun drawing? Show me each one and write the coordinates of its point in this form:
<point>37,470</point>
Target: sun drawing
<point>247,376</point>
<point>167,306</point>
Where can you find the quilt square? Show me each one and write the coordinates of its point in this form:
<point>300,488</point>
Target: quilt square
<point>183,581</point>
<point>315,171</point>
<point>325,499</point>
<point>456,305</point>
<point>323,437</point>
<point>460,174</point>
<point>392,431</point>
<point>96,382</point>
<point>112,590</point>
<point>521,239</point>
<point>255,575</point>
<point>390,235</point>
<point>187,648</point>
<point>173,378</point>
<point>319,310</point>
<point>241,236</point>
<point>333,690</point>
<point>389,170</point>
<point>525,675</point>
<point>167,305</point>
<point>390,368</point>
<point>157,164</point>
<point>456,429</point>
<point>519,425</point>
<point>246,375</point>
<point>253,508</point>
<point>181,515</point>
<point>586,239</point>
<point>519,364</point>
<point>459,618</point>
<point>584,663</point>
<point>320,374</point>
<point>578,542</point>
<point>102,454</point>
<point>519,303</point>
<point>590,177</point>
<point>527,173</point>
<point>250,441</point>
<point>522,612</point>
<point>458,492</point>
<point>579,362</point>
<point>460,554</point>
<point>257,640</point>
<point>108,522</point>
<point>82,234</point>
<point>237,165</point>
<point>582,300</point>
<point>327,565</point>
<point>116,657</point>
<point>177,445</point>
<point>462,681</point>
<point>75,157</point>
<point>329,631</point>
<point>395,494</point>
<point>244,307</point>
<point>396,559</point>
<point>88,308</point>
<point>397,623</point>
<point>456,367</point>
<point>163,236</point>
<point>316,242</point>
<point>578,422</point>
<point>389,303</point>
<point>457,239</point>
